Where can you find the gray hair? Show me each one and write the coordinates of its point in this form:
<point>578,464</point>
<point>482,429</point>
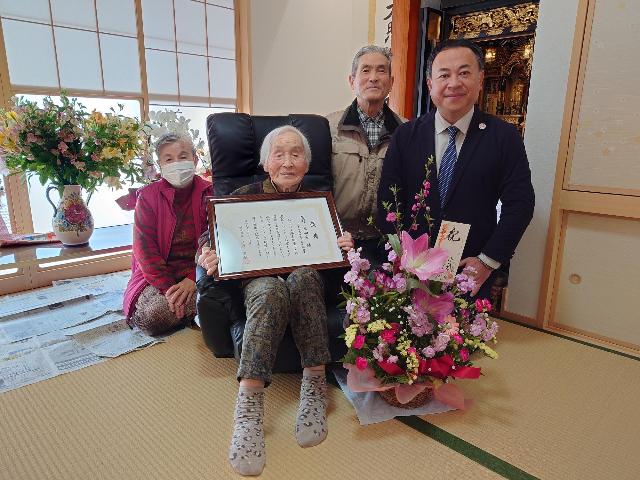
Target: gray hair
<point>169,138</point>
<point>385,51</point>
<point>267,144</point>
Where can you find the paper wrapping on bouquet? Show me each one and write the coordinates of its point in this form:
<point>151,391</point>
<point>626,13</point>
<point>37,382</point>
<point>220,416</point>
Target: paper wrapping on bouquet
<point>439,368</point>
<point>371,408</point>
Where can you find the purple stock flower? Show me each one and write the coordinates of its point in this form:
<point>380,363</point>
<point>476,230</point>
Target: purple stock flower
<point>429,352</point>
<point>418,321</point>
<point>441,342</point>
<point>490,332</point>
<point>400,282</point>
<point>350,306</point>
<point>350,277</point>
<point>357,264</point>
<point>363,314</point>
<point>478,325</point>
<point>465,283</point>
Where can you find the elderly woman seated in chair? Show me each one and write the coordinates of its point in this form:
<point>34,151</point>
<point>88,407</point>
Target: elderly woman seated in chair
<point>170,215</point>
<point>271,304</point>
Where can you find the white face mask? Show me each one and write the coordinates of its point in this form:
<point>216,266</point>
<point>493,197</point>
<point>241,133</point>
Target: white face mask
<point>179,174</point>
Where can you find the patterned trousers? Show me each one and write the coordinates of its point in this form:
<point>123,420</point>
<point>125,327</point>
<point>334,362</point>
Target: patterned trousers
<point>271,304</point>
<point>152,314</point>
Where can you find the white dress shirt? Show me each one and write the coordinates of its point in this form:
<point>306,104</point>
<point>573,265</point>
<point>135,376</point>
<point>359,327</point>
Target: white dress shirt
<point>442,140</point>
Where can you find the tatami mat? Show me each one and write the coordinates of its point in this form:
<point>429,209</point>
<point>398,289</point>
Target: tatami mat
<point>549,407</point>
<point>166,413</point>
<point>554,408</point>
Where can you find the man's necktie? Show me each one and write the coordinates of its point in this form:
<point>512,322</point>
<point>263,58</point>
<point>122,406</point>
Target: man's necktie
<point>447,164</point>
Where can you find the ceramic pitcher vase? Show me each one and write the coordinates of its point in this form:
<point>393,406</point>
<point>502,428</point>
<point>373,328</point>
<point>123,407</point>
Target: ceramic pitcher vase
<point>72,221</point>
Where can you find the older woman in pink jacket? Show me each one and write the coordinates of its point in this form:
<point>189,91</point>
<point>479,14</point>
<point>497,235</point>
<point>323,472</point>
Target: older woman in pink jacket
<point>170,215</point>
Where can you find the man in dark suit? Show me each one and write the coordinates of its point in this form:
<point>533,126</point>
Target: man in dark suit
<point>479,159</point>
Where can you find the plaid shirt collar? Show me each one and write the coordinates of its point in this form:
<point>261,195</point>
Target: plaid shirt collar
<point>372,125</point>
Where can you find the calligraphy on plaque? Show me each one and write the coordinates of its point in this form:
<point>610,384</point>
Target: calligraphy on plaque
<point>268,234</point>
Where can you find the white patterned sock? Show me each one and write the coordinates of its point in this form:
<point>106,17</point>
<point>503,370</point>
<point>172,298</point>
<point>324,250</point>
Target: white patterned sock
<point>247,452</point>
<point>311,422</point>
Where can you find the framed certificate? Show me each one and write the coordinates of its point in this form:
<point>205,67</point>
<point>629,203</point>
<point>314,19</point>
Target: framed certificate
<point>271,233</point>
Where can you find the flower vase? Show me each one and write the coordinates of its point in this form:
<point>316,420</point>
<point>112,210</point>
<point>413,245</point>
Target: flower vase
<point>419,400</point>
<point>72,221</point>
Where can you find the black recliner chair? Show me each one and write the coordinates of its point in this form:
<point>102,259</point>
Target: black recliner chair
<point>234,145</point>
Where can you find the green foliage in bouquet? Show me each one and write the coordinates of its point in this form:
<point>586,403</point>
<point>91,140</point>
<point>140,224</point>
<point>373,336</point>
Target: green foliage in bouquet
<point>65,144</point>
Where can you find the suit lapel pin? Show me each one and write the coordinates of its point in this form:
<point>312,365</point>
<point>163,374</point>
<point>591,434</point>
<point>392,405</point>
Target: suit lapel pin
<point>482,126</point>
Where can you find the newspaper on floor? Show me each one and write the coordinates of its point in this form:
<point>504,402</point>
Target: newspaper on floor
<point>113,339</point>
<point>111,282</point>
<point>24,302</point>
<point>371,408</point>
<point>16,349</point>
<point>57,316</point>
<point>74,324</point>
<point>44,363</point>
<point>98,322</point>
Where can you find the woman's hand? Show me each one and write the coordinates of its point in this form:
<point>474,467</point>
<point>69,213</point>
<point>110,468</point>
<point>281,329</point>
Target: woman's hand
<point>179,295</point>
<point>345,242</point>
<point>208,260</point>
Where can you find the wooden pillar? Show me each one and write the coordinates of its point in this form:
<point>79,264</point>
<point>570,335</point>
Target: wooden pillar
<point>244,95</point>
<point>404,45</point>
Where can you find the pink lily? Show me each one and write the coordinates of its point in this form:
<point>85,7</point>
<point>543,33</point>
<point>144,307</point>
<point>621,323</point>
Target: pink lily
<point>437,307</point>
<point>419,259</point>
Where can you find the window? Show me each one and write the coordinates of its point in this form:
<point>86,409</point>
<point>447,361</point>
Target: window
<point>190,52</point>
<point>72,44</point>
<point>184,59</point>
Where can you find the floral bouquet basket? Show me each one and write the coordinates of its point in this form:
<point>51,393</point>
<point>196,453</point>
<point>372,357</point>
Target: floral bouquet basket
<point>409,335</point>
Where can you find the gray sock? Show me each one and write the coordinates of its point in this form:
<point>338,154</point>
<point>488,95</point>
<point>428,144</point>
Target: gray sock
<point>311,423</point>
<point>246,453</point>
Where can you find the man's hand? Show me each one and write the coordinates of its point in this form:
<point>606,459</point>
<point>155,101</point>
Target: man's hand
<point>208,260</point>
<point>345,242</point>
<point>179,295</point>
<point>482,272</point>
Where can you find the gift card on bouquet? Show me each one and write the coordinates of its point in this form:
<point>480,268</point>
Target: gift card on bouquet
<point>452,237</point>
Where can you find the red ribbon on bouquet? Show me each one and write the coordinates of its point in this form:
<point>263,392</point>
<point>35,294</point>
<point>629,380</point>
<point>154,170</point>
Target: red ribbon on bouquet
<point>443,367</point>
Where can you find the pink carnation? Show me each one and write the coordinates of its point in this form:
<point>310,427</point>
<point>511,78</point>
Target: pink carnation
<point>483,305</point>
<point>361,363</point>
<point>391,217</point>
<point>358,343</point>
<point>388,336</point>
<point>464,354</point>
